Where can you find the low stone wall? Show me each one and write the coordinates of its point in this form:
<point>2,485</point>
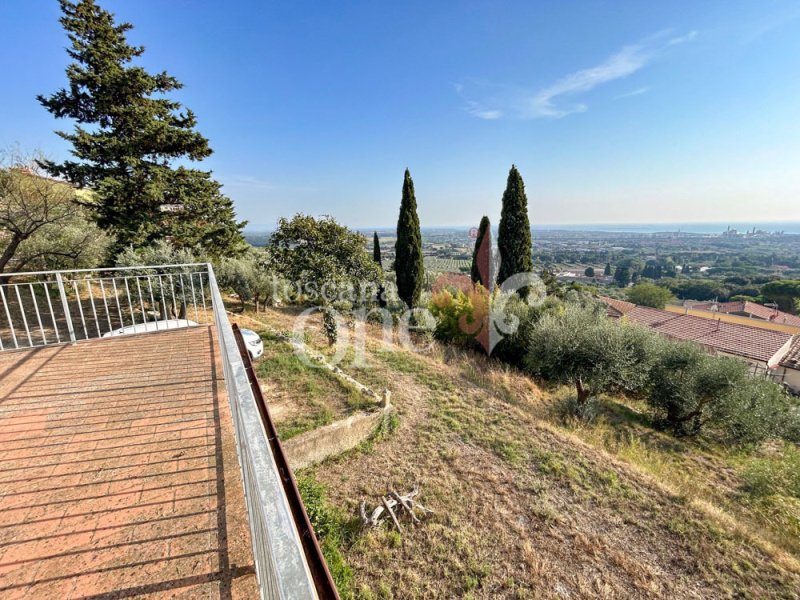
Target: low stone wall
<point>318,444</point>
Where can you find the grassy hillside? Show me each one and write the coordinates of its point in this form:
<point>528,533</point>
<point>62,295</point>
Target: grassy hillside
<point>532,505</point>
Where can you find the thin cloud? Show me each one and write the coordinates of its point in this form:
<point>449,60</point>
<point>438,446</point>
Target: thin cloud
<point>622,64</point>
<point>477,109</point>
<point>481,112</point>
<point>636,92</point>
<point>552,102</point>
<point>682,39</point>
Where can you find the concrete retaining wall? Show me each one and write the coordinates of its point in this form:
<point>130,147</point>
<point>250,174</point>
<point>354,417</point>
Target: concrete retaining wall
<point>318,444</point>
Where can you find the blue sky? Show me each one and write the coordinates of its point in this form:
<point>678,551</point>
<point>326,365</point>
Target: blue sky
<point>613,111</point>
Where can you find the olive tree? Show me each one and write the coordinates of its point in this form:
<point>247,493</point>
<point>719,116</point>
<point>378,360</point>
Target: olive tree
<point>582,347</point>
<point>692,392</point>
<point>41,224</point>
<point>249,278</point>
<point>171,284</point>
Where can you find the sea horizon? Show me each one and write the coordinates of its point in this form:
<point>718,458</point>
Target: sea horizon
<point>717,227</point>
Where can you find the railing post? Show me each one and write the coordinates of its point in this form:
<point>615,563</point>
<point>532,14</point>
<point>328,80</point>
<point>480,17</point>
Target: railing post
<point>62,292</point>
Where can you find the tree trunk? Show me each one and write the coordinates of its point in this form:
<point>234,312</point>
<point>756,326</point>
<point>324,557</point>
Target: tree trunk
<point>583,391</point>
<point>9,252</point>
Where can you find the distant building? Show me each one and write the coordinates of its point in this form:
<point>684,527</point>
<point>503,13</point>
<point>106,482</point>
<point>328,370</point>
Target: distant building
<point>752,310</point>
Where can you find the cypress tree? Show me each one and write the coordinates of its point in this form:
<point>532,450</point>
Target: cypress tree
<point>376,256</point>
<point>607,270</point>
<point>376,248</point>
<point>408,247</point>
<point>127,135</point>
<point>514,234</point>
<point>479,261</point>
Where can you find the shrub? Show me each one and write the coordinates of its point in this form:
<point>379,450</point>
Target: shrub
<point>774,475</point>
<point>513,346</point>
<point>460,317</point>
<point>756,410</point>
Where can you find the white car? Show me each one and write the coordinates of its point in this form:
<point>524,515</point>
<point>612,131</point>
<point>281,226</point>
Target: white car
<point>151,326</point>
<point>253,342</point>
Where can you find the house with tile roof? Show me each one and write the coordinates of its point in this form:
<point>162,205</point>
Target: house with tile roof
<point>752,310</point>
<point>790,366</point>
<point>617,308</point>
<point>774,352</point>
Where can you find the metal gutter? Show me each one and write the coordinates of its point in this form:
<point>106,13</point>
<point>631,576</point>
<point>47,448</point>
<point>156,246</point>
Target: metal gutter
<point>323,581</point>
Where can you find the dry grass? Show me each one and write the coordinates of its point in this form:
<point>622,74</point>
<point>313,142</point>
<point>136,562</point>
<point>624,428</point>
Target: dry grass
<point>531,506</point>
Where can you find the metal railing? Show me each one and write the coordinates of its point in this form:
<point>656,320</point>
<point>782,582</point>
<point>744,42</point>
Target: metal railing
<point>40,309</point>
<point>277,550</point>
<point>43,308</point>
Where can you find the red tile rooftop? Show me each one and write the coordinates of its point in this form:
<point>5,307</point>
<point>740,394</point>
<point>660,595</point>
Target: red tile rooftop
<point>757,311</point>
<point>617,308</point>
<point>749,342</point>
<point>118,472</point>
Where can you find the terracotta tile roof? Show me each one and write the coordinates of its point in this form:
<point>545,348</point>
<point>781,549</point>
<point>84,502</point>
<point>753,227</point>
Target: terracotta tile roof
<point>652,317</point>
<point>753,343</point>
<point>617,308</point>
<point>749,342</point>
<point>758,311</point>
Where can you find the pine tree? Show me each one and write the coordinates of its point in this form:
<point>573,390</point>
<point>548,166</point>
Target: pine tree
<point>376,256</point>
<point>126,138</point>
<point>514,233</point>
<point>480,262</point>
<point>607,270</point>
<point>408,247</point>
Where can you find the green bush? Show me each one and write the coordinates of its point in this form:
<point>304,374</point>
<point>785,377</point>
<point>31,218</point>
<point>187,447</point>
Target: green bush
<point>513,346</point>
<point>329,325</point>
<point>649,294</point>
<point>756,410</point>
<point>693,392</point>
<point>583,348</point>
<point>774,475</point>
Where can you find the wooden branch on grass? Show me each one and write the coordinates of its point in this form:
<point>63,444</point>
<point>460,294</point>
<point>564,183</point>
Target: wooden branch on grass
<point>391,513</point>
<point>393,505</point>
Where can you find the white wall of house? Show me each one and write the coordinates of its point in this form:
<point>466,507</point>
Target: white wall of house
<point>791,377</point>
<point>778,356</point>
